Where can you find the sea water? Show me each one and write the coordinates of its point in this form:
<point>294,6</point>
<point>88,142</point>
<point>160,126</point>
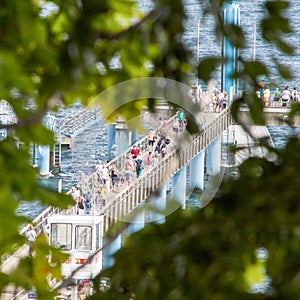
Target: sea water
<point>92,144</point>
<point>87,151</point>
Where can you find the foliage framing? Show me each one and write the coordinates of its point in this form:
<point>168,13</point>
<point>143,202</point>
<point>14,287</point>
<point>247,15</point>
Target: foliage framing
<point>68,54</point>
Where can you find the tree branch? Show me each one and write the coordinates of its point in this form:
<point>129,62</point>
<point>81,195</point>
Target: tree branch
<point>38,116</point>
<point>153,15</point>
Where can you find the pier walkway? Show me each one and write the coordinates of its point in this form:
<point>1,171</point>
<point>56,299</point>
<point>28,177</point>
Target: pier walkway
<point>247,144</point>
<point>179,154</point>
<point>121,203</point>
<point>127,199</point>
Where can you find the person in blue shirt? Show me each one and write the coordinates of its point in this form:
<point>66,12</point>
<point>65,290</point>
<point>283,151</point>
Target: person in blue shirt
<point>180,117</point>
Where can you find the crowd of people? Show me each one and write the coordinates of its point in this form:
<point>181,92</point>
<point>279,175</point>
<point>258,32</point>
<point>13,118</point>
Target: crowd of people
<point>111,179</point>
<point>211,100</point>
<point>278,98</point>
<point>215,100</point>
<point>82,201</point>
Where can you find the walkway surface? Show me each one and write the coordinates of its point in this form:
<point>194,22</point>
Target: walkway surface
<point>247,144</point>
<point>11,292</point>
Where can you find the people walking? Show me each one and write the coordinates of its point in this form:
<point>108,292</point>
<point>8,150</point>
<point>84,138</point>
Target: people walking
<point>31,236</point>
<point>88,204</point>
<point>74,192</point>
<point>294,94</point>
<point>138,166</point>
<point>113,177</point>
<point>149,159</point>
<point>261,91</point>
<point>266,96</point>
<point>135,152</point>
<point>286,96</point>
<point>180,117</point>
<point>151,139</point>
<point>277,95</point>
<point>81,208</point>
<point>128,170</point>
<point>104,175</point>
<point>163,148</point>
<point>98,169</point>
<point>155,159</point>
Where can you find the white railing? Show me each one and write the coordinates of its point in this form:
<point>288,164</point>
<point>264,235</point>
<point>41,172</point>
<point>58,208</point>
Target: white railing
<point>78,121</point>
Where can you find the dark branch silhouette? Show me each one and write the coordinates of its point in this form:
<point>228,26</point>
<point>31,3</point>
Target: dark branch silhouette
<point>153,15</point>
<point>37,116</point>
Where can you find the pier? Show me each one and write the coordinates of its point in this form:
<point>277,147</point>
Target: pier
<point>189,157</point>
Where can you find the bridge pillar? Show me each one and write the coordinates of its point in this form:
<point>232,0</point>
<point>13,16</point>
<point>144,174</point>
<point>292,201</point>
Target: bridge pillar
<point>133,137</point>
<point>121,136</point>
<point>137,223</point>
<point>111,135</point>
<point>208,159</point>
<point>44,161</point>
<point>159,202</point>
<point>110,250</point>
<point>213,162</point>
<point>231,16</point>
<point>197,171</point>
<point>178,187</point>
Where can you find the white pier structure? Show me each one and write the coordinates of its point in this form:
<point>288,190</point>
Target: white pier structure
<point>180,171</point>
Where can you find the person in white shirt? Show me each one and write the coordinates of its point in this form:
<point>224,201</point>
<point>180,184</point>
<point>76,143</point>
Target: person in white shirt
<point>286,96</point>
<point>31,237</point>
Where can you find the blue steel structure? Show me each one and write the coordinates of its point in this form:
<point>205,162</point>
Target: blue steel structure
<point>230,53</point>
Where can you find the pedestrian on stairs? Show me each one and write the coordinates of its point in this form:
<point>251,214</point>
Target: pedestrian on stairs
<point>31,237</point>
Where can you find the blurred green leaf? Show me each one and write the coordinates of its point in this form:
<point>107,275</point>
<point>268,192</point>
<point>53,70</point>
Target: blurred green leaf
<point>206,67</point>
<point>85,47</point>
<point>235,35</point>
<point>275,24</point>
<point>252,70</point>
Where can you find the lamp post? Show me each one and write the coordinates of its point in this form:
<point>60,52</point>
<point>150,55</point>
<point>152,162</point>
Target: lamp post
<point>197,50</point>
<point>254,41</point>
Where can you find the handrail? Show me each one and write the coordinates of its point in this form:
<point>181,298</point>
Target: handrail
<point>39,224</point>
<point>76,122</point>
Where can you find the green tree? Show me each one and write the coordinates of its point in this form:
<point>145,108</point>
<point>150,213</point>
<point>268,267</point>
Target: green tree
<point>52,57</point>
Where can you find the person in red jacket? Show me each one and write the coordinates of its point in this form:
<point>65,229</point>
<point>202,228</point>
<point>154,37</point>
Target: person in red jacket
<point>135,152</point>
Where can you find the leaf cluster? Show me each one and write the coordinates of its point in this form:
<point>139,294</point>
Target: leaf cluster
<point>80,48</point>
<point>205,254</point>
